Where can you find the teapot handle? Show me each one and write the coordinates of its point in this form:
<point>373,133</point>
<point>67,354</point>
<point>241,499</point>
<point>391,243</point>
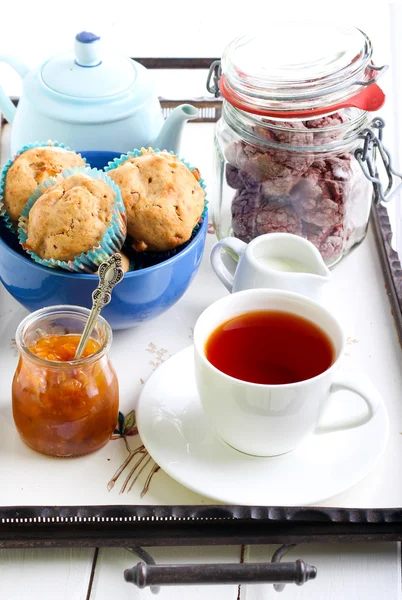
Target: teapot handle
<point>236,249</point>
<point>6,106</point>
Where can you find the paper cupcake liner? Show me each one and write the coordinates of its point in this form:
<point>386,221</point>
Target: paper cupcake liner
<point>111,242</point>
<point>3,213</point>
<point>143,259</point>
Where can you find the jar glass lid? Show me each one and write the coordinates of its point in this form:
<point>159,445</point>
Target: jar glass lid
<point>297,67</point>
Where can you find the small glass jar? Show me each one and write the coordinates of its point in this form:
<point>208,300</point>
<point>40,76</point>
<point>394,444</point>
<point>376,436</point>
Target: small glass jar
<point>294,119</point>
<point>70,408</point>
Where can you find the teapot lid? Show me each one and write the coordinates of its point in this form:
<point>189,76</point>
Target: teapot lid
<point>86,73</point>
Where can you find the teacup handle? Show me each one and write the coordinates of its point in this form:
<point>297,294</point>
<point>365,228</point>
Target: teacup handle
<point>360,385</point>
<point>238,247</point>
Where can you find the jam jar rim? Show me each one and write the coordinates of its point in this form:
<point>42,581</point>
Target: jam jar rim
<point>74,310</point>
<point>239,121</point>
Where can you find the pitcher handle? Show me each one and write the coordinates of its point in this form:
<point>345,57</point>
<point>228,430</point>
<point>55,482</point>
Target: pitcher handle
<point>6,106</point>
<point>238,248</point>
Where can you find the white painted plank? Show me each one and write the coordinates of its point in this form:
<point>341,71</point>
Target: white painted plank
<point>364,571</point>
<point>109,582</point>
<point>45,574</point>
<point>345,572</point>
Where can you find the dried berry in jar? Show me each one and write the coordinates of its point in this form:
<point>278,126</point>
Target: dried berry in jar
<point>296,192</point>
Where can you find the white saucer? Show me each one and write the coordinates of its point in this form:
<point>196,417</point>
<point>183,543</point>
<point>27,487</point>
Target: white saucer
<point>177,436</point>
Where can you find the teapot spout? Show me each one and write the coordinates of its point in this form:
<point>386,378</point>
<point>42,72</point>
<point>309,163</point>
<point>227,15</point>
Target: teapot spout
<point>170,134</point>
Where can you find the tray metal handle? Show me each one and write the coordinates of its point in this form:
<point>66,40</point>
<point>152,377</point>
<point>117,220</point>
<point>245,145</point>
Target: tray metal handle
<point>145,574</point>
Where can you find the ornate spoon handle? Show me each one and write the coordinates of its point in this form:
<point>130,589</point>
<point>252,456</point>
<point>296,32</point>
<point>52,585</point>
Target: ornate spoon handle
<point>110,274</point>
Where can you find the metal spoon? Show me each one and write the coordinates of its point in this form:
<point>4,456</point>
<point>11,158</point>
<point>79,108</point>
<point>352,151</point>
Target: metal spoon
<point>110,274</point>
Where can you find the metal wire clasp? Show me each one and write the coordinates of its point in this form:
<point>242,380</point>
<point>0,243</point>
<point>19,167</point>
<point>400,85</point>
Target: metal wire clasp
<point>367,160</point>
<point>379,72</point>
<point>214,73</point>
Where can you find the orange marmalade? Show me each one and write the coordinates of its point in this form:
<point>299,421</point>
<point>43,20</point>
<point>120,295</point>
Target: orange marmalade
<point>64,407</point>
<point>62,347</point>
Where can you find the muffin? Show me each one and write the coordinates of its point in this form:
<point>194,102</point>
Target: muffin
<point>31,168</point>
<point>74,223</point>
<point>125,262</point>
<point>163,198</point>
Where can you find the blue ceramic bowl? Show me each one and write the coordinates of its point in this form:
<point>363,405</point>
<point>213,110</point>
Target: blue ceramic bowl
<point>141,296</point>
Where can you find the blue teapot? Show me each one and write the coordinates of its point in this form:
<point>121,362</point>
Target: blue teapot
<point>91,101</point>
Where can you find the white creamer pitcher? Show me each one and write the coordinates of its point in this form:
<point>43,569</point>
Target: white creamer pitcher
<point>280,261</point>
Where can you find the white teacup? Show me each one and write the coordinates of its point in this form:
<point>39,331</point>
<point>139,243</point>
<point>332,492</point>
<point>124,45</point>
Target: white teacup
<point>267,420</point>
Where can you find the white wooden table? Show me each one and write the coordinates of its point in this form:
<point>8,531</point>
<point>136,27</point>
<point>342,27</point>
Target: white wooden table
<point>353,571</point>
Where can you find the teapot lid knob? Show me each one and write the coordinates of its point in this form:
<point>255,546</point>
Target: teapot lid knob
<point>87,50</point>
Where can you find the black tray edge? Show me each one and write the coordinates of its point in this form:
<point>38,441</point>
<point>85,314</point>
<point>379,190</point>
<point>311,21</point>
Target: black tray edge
<point>32,526</point>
